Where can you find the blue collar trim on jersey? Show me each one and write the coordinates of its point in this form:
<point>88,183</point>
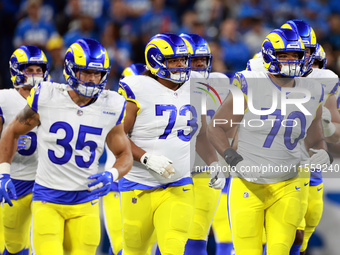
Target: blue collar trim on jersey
<point>126,185</point>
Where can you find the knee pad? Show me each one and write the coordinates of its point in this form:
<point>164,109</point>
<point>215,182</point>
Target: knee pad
<point>89,233</point>
<point>314,214</point>
<point>10,215</point>
<point>173,246</point>
<point>245,226</point>
<point>132,234</point>
<point>44,225</point>
<point>181,217</point>
<point>291,215</point>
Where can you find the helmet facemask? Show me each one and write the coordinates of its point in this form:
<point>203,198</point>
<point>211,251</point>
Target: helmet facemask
<point>86,89</point>
<point>174,74</point>
<point>23,79</point>
<point>203,70</point>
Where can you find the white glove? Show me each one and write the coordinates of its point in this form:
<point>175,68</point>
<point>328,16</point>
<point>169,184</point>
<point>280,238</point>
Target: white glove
<point>319,158</point>
<point>217,178</point>
<point>248,171</point>
<point>159,164</point>
<point>328,127</point>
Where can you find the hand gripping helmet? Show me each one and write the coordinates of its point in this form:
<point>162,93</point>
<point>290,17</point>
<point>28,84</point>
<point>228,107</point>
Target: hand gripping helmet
<point>308,37</point>
<point>198,47</point>
<point>160,49</point>
<point>133,69</point>
<point>23,57</point>
<point>86,54</point>
<point>320,57</point>
<point>283,40</point>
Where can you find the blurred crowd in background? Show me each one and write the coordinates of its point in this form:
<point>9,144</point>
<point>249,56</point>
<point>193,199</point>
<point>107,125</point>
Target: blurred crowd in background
<point>234,29</point>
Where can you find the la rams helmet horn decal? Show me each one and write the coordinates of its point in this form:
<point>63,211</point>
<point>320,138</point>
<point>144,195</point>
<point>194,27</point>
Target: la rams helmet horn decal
<point>86,54</point>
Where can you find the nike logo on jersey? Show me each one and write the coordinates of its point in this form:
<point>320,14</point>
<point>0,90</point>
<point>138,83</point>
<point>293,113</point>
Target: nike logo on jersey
<point>94,202</point>
<point>306,183</point>
<point>185,189</point>
<point>319,189</point>
<point>297,188</point>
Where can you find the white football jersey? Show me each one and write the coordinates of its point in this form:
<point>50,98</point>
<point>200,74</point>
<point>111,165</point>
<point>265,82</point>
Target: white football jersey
<point>25,162</point>
<point>256,64</point>
<point>220,83</point>
<point>71,138</point>
<point>328,79</point>
<point>167,124</point>
<point>270,141</point>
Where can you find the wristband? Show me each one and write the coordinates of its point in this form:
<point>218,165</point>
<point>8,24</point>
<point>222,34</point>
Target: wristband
<point>114,172</point>
<point>5,168</point>
<point>144,158</point>
<point>328,129</point>
<point>331,159</point>
<point>232,157</point>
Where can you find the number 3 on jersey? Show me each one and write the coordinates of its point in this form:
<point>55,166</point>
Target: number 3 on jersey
<point>161,108</point>
<point>80,144</point>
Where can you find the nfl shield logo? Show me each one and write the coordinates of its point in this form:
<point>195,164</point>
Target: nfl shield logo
<point>79,112</point>
<point>134,200</point>
<point>245,194</point>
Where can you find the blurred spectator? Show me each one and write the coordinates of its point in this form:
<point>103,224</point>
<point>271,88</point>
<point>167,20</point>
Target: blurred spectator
<point>158,20</point>
<point>255,36</point>
<point>84,28</point>
<point>235,51</point>
<point>334,35</point>
<point>217,60</point>
<point>8,14</point>
<point>33,30</point>
<point>119,51</point>
<point>47,11</point>
<point>188,20</point>
<point>56,52</point>
<point>71,13</point>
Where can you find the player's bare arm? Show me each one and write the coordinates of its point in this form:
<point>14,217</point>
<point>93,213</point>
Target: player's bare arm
<point>129,121</point>
<point>203,146</point>
<point>220,125</point>
<point>1,126</point>
<point>119,144</point>
<point>314,138</point>
<point>25,121</point>
<point>331,105</point>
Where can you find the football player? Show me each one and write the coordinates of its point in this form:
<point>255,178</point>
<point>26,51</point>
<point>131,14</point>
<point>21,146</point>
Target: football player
<point>111,202</point>
<point>75,120</point>
<point>164,123</point>
<point>312,200</point>
<point>330,83</point>
<point>28,67</point>
<point>265,187</point>
<point>206,197</point>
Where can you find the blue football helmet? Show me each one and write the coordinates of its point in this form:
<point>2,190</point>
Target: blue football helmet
<point>86,54</point>
<point>320,57</point>
<point>133,69</point>
<point>23,57</point>
<point>198,47</point>
<point>283,40</point>
<point>308,37</point>
<point>160,49</point>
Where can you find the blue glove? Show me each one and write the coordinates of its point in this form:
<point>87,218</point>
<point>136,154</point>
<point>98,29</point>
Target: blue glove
<point>102,185</point>
<point>5,185</point>
<point>24,142</point>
